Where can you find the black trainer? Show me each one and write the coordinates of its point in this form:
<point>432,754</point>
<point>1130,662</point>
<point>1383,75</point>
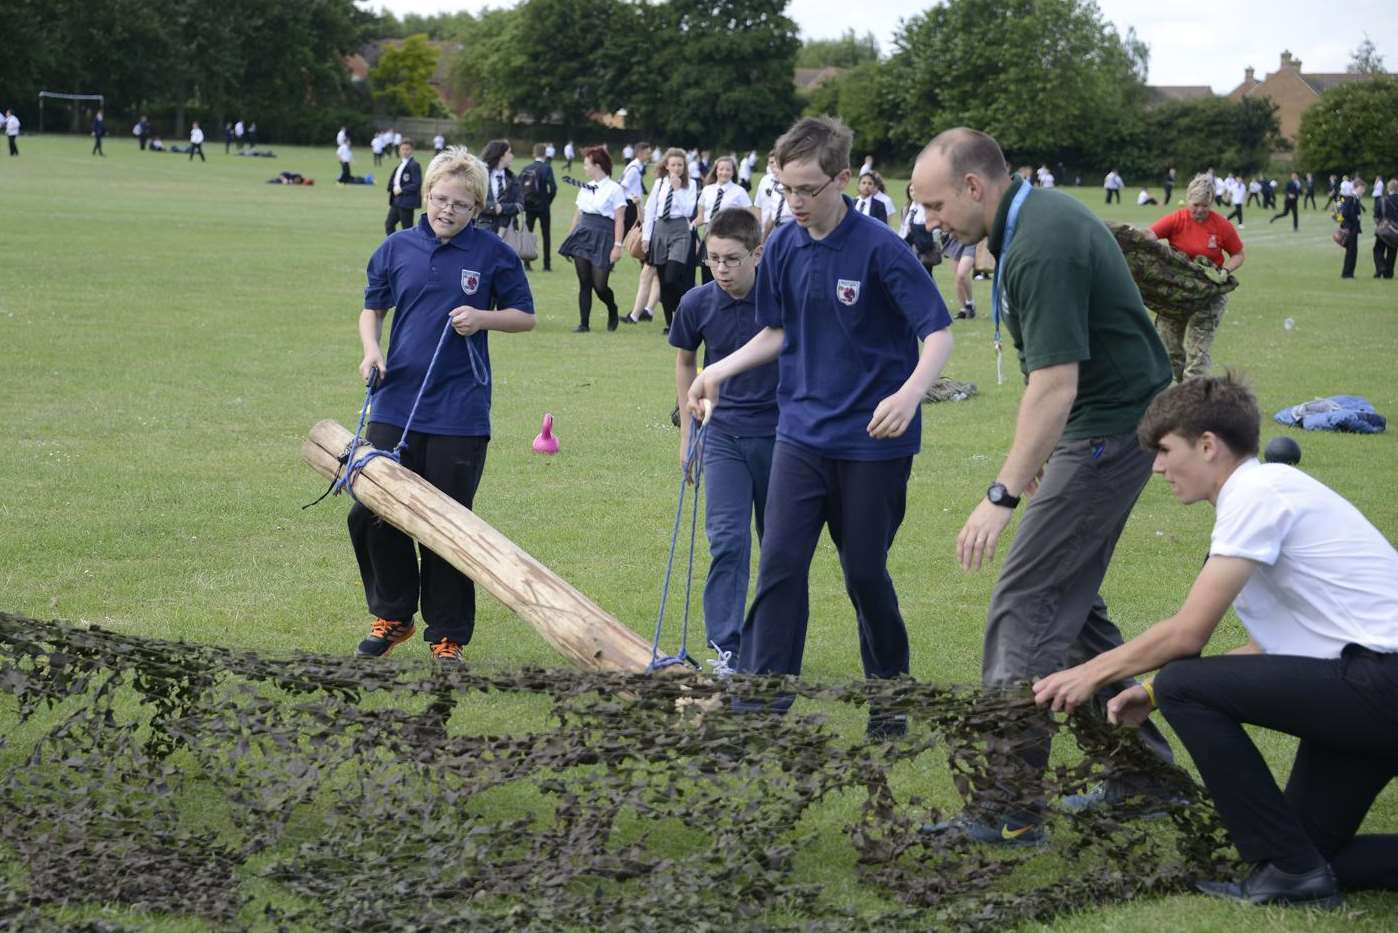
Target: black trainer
<point>384,636</point>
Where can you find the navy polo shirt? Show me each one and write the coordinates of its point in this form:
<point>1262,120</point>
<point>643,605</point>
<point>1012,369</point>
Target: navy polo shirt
<point>423,279</point>
<point>853,307</point>
<point>722,323</point>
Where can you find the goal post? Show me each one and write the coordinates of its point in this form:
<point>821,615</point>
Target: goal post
<point>63,96</point>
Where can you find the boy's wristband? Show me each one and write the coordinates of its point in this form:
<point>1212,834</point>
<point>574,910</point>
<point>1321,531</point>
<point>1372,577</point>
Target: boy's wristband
<point>1149,688</point>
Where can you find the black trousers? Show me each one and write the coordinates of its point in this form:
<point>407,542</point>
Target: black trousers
<point>1309,199</point>
<point>199,148</point>
<point>1383,258</point>
<point>676,278</point>
<point>1344,711</point>
<point>14,145</point>
<point>1351,255</point>
<point>1255,197</point>
<point>394,588</point>
<point>545,222</point>
<point>1113,192</point>
<point>1237,212</point>
<point>1169,190</point>
<point>398,216</point>
<point>345,175</point>
<point>862,503</point>
<point>593,279</point>
<point>97,146</point>
<point>1288,208</point>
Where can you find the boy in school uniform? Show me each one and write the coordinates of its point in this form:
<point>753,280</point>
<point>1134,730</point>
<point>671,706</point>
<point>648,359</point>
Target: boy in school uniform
<point>737,451</point>
<point>843,303</point>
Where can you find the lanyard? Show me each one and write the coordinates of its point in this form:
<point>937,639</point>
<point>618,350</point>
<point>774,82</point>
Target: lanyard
<point>995,292</point>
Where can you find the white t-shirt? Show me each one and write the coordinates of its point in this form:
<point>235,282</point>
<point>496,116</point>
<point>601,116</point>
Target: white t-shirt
<point>1326,577</point>
<point>376,145</point>
<point>343,153</point>
<point>1240,193</point>
<point>12,125</point>
<point>746,166</point>
<point>1046,180</point>
<point>341,138</point>
<point>683,204</point>
<point>887,202</point>
<point>914,217</point>
<point>604,199</point>
<point>239,129</point>
<point>568,151</point>
<point>1346,188</point>
<point>631,179</point>
<point>767,197</point>
<point>733,196</point>
<point>1143,197</point>
<point>196,137</point>
<point>439,142</point>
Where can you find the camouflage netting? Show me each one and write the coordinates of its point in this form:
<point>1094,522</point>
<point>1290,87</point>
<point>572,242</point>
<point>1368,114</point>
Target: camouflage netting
<point>1172,284</point>
<point>327,793</point>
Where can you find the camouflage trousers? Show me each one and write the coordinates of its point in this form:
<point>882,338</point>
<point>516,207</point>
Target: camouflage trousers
<point>1188,342</point>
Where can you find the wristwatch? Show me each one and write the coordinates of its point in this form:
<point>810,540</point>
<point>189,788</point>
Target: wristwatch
<point>999,495</point>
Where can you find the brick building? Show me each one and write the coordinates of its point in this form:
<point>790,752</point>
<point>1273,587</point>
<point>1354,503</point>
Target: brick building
<point>1291,89</point>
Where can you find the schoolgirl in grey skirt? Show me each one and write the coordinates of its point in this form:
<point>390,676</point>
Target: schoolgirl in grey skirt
<point>594,242</point>
<point>668,231</point>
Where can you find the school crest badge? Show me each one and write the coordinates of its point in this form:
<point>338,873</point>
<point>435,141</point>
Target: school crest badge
<point>847,290</point>
<point>470,281</point>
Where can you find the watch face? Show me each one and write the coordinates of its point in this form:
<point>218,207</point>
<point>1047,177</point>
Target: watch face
<point>996,494</point>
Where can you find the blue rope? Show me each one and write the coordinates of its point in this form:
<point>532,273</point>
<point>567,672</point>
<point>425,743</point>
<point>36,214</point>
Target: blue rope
<point>691,471</point>
<point>354,467</point>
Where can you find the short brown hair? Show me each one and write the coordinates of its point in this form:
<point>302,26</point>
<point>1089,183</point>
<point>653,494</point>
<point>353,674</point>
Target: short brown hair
<point>541,150</point>
<point>736,224</point>
<point>597,155</point>
<point>970,152</point>
<point>825,138</point>
<point>1222,405</point>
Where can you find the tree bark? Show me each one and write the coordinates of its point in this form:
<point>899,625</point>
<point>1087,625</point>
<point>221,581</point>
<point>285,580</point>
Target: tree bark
<point>578,628</point>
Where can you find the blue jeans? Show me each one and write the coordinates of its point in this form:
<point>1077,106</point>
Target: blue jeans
<point>736,470</point>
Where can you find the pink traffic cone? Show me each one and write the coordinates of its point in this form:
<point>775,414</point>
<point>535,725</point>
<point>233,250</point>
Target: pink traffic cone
<point>546,443</point>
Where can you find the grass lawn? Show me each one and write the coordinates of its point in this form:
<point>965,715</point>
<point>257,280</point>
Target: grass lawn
<point>173,328</point>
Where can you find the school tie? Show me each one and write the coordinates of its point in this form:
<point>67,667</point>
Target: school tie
<point>669,200</point>
<point>718,201</point>
<point>863,206</point>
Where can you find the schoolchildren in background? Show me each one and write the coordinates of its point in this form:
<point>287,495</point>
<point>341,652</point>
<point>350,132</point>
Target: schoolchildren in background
<point>721,193</point>
<point>594,240</point>
<point>667,232</point>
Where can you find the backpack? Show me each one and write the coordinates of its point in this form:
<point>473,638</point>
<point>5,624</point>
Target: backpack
<point>531,183</point>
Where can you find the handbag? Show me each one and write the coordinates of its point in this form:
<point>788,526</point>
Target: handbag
<point>631,245</point>
<point>1387,230</point>
<point>523,242</point>
<point>1341,237</point>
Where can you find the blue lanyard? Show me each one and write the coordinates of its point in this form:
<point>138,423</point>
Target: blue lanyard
<point>1010,222</point>
<point>995,294</point>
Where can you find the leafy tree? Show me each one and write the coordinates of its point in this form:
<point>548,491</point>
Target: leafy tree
<point>847,51</point>
<point>1193,135</point>
<point>401,79</point>
<point>714,53</point>
<point>1351,129</point>
<point>1050,79</point>
<point>1365,60</point>
<point>860,97</point>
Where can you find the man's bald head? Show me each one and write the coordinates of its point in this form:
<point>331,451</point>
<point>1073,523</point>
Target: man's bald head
<point>965,151</point>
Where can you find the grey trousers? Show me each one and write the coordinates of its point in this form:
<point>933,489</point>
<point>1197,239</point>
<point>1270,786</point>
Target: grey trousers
<point>1046,612</point>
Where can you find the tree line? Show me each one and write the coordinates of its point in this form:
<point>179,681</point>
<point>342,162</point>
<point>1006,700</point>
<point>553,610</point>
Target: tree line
<point>1051,79</point>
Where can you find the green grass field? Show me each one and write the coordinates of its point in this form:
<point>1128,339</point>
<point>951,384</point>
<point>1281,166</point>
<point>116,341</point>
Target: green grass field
<point>173,328</point>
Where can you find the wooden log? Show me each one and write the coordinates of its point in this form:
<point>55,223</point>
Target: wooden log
<point>577,627</point>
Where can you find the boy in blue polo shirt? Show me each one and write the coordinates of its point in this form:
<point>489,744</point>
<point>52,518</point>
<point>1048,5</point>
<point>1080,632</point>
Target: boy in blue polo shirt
<point>443,269</point>
<point>737,451</point>
<point>843,303</point>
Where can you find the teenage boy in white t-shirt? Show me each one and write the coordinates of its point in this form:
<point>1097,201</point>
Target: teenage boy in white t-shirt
<point>1316,586</point>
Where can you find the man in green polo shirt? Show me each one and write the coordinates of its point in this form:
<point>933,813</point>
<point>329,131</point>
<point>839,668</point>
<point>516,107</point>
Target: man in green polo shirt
<point>1092,363</point>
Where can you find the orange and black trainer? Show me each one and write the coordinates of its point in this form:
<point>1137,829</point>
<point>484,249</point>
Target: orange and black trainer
<point>384,636</point>
<point>446,652</point>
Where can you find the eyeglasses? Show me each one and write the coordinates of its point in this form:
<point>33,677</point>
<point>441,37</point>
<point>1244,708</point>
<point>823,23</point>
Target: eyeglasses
<point>805,193</point>
<point>726,262</point>
<point>456,207</point>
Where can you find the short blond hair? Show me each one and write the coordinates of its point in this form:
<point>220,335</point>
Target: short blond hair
<point>456,162</point>
<point>1200,190</point>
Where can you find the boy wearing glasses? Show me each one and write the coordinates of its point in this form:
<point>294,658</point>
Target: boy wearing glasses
<point>444,269</point>
<point>737,451</point>
<point>843,303</point>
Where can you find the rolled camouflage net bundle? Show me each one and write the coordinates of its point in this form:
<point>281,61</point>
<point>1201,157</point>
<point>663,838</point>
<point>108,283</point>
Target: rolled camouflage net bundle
<point>1172,284</point>
<point>950,390</point>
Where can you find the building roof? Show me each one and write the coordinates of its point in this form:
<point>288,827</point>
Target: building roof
<point>1163,93</point>
<point>808,79</point>
<point>1322,82</point>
